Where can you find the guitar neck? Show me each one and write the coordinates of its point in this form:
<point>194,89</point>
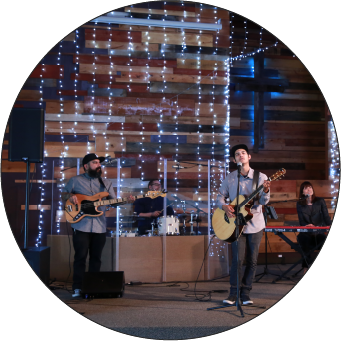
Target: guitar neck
<point>251,196</point>
<point>117,201</point>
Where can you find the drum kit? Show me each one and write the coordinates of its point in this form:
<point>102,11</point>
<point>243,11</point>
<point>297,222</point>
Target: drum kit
<point>175,225</point>
<point>170,225</point>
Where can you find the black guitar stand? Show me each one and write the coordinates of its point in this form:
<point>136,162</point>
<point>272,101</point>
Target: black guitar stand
<point>269,211</point>
<point>240,221</point>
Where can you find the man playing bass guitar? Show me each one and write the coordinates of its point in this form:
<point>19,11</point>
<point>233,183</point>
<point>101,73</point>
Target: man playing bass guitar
<point>89,234</point>
<point>251,236</point>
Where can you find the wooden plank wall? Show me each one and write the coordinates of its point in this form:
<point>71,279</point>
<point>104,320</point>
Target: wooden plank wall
<point>134,92</point>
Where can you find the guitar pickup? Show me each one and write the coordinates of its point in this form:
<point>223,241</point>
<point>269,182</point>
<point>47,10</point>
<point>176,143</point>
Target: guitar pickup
<point>227,218</point>
<point>69,208</point>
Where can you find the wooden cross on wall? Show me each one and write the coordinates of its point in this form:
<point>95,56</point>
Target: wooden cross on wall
<point>260,84</point>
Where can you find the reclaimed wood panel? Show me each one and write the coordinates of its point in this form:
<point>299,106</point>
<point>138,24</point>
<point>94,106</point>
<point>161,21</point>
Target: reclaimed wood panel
<point>178,39</point>
<point>108,172</point>
<point>35,181</point>
<point>48,71</point>
<point>121,46</point>
<point>70,37</point>
<point>159,11</point>
<point>122,60</point>
<point>183,63</point>
<point>235,122</point>
<point>106,69</point>
<point>188,79</point>
<point>70,149</point>
<point>110,143</point>
<point>111,34</point>
<point>29,95</point>
<point>64,107</point>
<point>36,207</point>
<point>16,167</point>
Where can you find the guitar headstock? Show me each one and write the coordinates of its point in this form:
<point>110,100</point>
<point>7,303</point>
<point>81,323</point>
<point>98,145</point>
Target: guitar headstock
<point>278,175</point>
<point>155,194</point>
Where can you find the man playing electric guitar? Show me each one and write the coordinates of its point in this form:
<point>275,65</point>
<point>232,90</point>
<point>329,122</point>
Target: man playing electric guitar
<point>251,236</point>
<point>89,234</point>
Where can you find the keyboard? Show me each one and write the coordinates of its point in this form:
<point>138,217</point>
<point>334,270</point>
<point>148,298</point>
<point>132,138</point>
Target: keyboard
<point>297,228</point>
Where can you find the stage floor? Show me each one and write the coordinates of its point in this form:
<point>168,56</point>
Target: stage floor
<point>172,311</point>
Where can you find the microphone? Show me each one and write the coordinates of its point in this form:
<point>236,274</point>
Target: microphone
<point>305,197</point>
<point>109,161</point>
<point>239,166</point>
<point>177,166</point>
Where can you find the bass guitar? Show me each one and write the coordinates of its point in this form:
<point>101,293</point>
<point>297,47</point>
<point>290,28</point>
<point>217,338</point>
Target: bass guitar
<point>87,205</point>
<point>224,227</point>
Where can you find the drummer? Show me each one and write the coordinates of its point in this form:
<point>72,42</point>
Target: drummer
<point>150,209</point>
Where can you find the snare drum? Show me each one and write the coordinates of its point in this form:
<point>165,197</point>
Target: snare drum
<point>168,226</point>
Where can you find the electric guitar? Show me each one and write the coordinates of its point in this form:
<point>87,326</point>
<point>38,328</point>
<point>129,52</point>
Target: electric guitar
<point>87,205</point>
<point>224,227</point>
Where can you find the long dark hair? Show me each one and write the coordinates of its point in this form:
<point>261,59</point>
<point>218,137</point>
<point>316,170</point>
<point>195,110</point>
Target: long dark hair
<point>303,186</point>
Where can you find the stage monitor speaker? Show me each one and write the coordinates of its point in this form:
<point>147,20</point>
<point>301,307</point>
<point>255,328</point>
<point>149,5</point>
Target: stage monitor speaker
<point>39,260</point>
<point>26,135</point>
<point>103,284</point>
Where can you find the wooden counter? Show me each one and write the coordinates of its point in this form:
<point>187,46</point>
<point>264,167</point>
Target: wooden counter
<point>142,258</point>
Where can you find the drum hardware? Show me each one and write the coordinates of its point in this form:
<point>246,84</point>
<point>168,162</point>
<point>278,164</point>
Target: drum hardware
<point>184,217</point>
<point>152,232</point>
<point>192,222</point>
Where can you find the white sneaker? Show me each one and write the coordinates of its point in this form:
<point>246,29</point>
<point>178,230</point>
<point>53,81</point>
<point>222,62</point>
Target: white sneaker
<point>246,300</point>
<point>231,299</point>
<point>77,293</point>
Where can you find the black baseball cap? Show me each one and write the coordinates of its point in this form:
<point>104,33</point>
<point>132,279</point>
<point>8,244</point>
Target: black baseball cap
<point>89,157</point>
<point>236,147</point>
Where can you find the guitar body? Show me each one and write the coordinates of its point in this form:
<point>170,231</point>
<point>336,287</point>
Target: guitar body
<point>85,207</point>
<point>225,227</point>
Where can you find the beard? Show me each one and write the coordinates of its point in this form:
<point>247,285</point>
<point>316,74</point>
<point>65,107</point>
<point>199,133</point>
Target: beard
<point>95,173</point>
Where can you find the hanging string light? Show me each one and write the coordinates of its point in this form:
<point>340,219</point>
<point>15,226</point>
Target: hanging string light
<point>334,170</point>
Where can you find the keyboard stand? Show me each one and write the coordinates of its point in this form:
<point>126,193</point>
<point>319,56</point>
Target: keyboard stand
<point>297,248</point>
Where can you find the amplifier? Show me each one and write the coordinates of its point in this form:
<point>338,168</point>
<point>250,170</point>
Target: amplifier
<point>108,284</point>
<point>39,260</point>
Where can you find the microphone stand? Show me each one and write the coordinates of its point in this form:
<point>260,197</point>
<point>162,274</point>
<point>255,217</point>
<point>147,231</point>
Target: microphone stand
<point>238,304</point>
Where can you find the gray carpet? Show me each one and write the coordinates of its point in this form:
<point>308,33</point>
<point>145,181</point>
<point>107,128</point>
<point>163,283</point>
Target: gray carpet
<point>172,311</point>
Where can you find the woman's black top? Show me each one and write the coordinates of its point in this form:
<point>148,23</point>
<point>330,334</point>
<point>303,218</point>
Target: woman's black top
<point>316,214</point>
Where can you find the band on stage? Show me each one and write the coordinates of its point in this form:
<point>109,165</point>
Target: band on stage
<point>154,215</point>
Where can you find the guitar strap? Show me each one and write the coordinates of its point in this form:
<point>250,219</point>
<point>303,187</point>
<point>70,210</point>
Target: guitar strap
<point>102,183</point>
<point>255,183</point>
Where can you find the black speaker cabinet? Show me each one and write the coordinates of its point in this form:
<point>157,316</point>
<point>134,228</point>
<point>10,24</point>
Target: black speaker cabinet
<point>26,135</point>
<point>103,284</point>
<point>39,260</point>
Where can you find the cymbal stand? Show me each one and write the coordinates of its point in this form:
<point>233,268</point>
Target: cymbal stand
<point>184,217</point>
<point>192,222</point>
<point>153,223</point>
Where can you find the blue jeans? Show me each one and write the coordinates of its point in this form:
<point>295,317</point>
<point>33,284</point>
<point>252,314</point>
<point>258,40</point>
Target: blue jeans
<point>84,242</point>
<point>249,243</point>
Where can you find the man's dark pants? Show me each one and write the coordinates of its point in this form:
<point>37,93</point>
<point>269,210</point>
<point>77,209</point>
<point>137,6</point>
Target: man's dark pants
<point>82,243</point>
<point>249,243</point>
